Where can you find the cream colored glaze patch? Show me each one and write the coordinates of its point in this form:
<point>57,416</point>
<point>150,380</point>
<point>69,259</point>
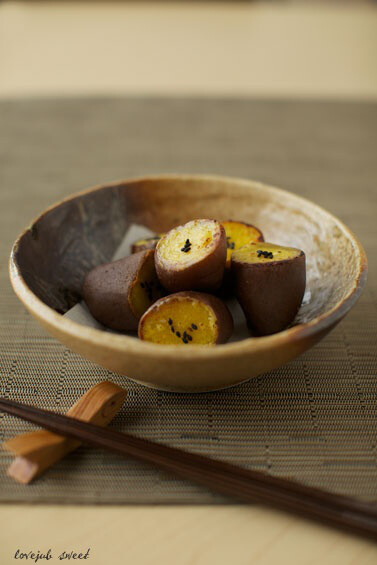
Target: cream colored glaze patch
<point>189,242</point>
<point>262,252</point>
<point>183,321</point>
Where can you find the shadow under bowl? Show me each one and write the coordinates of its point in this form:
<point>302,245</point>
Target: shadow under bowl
<point>50,258</point>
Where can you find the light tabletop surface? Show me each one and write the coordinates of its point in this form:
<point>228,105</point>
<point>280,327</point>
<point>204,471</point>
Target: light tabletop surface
<point>193,535</point>
<point>184,535</point>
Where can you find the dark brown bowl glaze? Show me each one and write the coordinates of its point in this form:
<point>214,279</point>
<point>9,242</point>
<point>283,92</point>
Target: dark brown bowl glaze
<point>51,257</point>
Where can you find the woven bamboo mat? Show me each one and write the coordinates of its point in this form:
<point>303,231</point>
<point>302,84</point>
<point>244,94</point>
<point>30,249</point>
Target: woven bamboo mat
<point>314,419</point>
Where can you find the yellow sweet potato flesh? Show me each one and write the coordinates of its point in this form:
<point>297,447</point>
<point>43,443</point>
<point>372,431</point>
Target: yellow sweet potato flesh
<point>146,289</point>
<point>141,243</point>
<point>249,253</point>
<point>239,234</point>
<point>199,234</point>
<point>168,324</point>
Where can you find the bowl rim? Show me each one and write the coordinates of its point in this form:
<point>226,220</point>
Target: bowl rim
<point>125,343</point>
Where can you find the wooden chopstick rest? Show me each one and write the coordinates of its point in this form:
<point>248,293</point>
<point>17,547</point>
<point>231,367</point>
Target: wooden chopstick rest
<point>37,451</point>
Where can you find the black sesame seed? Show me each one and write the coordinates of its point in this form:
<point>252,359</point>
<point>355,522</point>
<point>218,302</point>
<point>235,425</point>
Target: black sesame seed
<point>230,244</point>
<point>189,337</point>
<point>194,326</point>
<point>186,247</point>
<point>184,340</point>
<point>172,329</point>
<point>178,334</point>
<point>170,322</point>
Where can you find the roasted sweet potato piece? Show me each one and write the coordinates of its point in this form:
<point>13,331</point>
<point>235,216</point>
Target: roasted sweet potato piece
<point>187,318</point>
<point>118,293</point>
<point>143,244</point>
<point>239,234</point>
<point>192,256</point>
<point>270,284</point>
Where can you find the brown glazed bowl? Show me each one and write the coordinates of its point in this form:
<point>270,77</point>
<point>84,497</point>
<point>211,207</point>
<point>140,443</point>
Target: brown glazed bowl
<point>50,258</point>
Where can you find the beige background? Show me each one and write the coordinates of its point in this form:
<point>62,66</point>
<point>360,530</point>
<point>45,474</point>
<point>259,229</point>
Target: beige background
<point>261,48</point>
<point>234,49</point>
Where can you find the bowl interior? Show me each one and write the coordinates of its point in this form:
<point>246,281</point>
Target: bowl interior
<point>85,230</point>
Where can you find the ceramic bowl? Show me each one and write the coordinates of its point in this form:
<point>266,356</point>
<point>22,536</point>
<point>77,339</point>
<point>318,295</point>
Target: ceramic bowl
<point>50,258</point>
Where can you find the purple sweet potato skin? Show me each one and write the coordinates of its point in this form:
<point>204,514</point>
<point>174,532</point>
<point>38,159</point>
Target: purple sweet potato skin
<point>224,320</point>
<point>106,291</point>
<point>270,294</point>
<point>204,275</point>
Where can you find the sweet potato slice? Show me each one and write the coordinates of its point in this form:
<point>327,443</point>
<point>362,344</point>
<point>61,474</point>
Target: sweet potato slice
<point>118,293</point>
<point>143,244</point>
<point>270,284</point>
<point>192,256</point>
<point>239,234</point>
<point>187,318</point>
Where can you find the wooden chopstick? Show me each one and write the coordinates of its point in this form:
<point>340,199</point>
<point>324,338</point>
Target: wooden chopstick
<point>225,478</point>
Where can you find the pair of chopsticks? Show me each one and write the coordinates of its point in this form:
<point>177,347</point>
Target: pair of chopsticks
<point>225,478</point>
